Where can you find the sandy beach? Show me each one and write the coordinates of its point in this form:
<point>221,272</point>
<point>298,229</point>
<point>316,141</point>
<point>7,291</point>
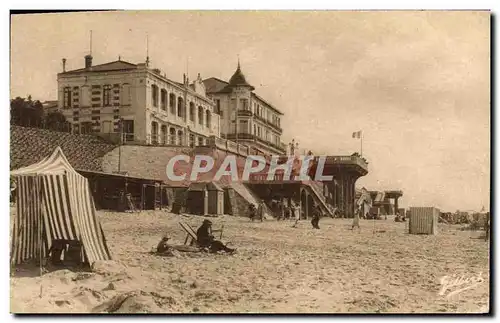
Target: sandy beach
<point>277,269</point>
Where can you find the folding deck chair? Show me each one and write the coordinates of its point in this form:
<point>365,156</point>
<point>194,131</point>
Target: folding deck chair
<point>191,237</point>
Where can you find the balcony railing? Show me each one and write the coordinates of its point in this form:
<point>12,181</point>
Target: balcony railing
<point>347,160</point>
<point>248,136</point>
<point>245,113</point>
<point>275,126</point>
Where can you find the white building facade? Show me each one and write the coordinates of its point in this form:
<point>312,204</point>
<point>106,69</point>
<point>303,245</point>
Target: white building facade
<point>140,102</point>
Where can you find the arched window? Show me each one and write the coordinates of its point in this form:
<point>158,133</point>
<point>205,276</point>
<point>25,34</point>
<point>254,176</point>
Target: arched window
<point>180,107</point>
<point>180,134</point>
<point>154,95</point>
<point>163,99</point>
<point>200,115</point>
<point>191,111</point>
<point>172,101</point>
<point>172,136</point>
<point>209,119</point>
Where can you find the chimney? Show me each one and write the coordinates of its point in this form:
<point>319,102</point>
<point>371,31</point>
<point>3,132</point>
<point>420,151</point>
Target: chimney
<point>88,61</point>
<point>64,64</point>
<point>184,79</point>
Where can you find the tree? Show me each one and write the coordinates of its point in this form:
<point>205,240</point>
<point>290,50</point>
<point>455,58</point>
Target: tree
<point>26,112</point>
<point>56,121</point>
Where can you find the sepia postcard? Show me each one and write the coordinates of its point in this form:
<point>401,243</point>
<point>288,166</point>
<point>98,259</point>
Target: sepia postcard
<point>250,162</point>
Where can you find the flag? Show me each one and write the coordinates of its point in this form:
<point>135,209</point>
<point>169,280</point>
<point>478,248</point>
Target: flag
<point>356,134</point>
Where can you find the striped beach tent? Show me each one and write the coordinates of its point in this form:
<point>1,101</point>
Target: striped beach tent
<point>54,202</point>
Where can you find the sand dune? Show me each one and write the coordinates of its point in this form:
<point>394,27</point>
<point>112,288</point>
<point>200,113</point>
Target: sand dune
<point>277,269</point>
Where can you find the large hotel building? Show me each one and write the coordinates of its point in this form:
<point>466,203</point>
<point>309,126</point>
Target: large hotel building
<point>149,108</point>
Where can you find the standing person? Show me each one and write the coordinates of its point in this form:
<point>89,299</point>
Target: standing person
<point>260,211</point>
<point>281,210</point>
<point>297,211</point>
<point>316,216</point>
<point>206,240</point>
<point>252,212</point>
<point>355,222</point>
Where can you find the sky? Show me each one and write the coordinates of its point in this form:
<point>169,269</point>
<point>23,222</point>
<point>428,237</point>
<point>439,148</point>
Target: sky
<point>417,83</point>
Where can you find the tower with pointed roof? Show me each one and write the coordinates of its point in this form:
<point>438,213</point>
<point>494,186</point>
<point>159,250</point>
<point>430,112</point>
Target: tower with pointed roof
<point>245,116</point>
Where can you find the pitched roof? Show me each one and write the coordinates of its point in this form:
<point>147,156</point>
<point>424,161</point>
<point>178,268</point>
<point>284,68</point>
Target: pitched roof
<point>267,102</point>
<point>214,85</point>
<point>238,79</point>
<point>111,66</point>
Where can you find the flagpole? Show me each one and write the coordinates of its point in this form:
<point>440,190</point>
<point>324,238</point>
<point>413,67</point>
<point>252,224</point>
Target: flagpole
<point>361,143</point>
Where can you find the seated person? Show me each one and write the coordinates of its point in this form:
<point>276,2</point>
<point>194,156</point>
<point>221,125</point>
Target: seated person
<point>56,250</point>
<point>163,244</point>
<point>206,240</point>
<point>74,253</point>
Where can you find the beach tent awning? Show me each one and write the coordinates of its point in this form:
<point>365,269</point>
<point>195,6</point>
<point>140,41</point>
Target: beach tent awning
<point>54,200</point>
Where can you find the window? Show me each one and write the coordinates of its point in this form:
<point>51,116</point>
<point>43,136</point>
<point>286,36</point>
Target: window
<point>191,111</point>
<point>154,132</point>
<point>244,104</point>
<point>163,134</point>
<point>233,106</point>
<point>154,95</point>
<point>171,99</point>
<point>106,95</point>
<point>180,137</point>
<point>163,99</point>
<point>191,140</point>
<point>209,119</point>
<point>85,96</point>
<point>125,95</point>
<point>217,106</point>
<point>180,107</point>
<point>172,136</point>
<point>67,97</point>
<point>200,141</point>
<point>243,126</point>
<point>200,115</point>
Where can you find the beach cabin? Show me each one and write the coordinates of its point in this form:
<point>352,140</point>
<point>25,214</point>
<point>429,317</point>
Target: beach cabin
<point>205,198</point>
<point>423,220</point>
